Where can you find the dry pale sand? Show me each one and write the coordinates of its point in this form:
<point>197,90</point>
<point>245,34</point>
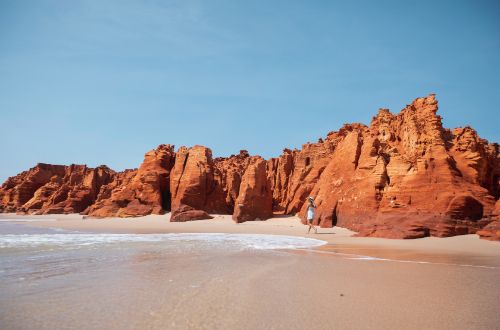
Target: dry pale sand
<point>430,283</point>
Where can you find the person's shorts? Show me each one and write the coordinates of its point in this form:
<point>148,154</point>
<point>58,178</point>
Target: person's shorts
<point>310,220</point>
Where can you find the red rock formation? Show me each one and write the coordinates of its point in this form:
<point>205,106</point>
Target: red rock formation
<point>404,176</point>
<point>492,230</point>
<point>142,192</point>
<point>474,158</point>
<point>47,189</point>
<point>397,178</point>
<point>202,185</point>
<point>255,200</point>
<point>228,173</point>
<point>191,181</point>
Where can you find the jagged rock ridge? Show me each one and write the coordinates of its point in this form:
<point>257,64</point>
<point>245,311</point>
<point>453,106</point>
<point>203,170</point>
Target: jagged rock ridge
<point>403,176</point>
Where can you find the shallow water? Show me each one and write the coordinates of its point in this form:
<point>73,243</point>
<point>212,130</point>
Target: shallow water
<point>28,253</point>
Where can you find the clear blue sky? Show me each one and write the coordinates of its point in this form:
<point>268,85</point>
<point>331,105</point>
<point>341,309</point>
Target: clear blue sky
<point>102,82</point>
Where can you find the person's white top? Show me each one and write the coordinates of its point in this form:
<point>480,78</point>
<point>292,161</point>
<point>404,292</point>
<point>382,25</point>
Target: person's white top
<point>310,212</point>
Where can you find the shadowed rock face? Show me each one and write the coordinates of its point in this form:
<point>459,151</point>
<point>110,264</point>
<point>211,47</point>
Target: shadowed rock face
<point>492,230</point>
<point>404,176</point>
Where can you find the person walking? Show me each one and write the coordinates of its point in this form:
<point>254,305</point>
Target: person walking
<point>311,208</point>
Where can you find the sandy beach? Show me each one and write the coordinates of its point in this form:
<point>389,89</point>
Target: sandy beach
<point>200,283</point>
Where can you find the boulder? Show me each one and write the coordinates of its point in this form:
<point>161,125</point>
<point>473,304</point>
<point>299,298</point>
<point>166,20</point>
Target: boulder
<point>188,213</point>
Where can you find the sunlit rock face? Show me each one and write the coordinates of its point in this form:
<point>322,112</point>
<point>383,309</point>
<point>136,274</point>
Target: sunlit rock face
<point>50,189</point>
<point>138,192</point>
<point>403,176</point>
<point>255,200</point>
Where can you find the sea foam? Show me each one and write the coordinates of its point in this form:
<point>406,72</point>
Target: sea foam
<point>245,241</point>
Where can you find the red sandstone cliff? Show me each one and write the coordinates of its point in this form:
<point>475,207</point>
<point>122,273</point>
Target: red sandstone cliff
<point>255,199</point>
<point>492,230</point>
<point>404,176</point>
<point>46,189</point>
<point>191,183</point>
<point>202,185</point>
<point>399,178</point>
<point>138,192</point>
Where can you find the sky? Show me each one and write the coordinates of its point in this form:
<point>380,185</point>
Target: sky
<point>102,82</point>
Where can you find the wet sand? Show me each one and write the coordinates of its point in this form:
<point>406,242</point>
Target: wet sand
<point>350,283</point>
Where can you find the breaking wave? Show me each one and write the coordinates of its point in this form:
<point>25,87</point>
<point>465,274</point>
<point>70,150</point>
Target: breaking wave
<point>242,241</point>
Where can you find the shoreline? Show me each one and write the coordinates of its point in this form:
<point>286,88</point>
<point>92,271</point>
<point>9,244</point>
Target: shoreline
<point>457,250</point>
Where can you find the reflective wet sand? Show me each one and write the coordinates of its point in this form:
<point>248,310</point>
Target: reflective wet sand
<point>147,287</point>
<point>411,256</point>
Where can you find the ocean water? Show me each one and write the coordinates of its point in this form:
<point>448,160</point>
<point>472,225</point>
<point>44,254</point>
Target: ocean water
<point>30,252</point>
